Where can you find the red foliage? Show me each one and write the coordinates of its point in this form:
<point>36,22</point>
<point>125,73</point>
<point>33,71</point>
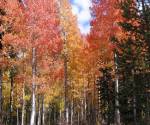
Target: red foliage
<point>43,25</point>
<point>103,27</point>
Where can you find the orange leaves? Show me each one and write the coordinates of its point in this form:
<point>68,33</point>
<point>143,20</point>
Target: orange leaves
<point>42,24</point>
<point>27,25</point>
<point>3,62</point>
<point>103,27</point>
<point>13,24</point>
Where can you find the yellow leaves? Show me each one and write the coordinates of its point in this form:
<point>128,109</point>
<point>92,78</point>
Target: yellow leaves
<point>52,92</point>
<point>76,93</point>
<point>69,23</point>
<point>61,105</point>
<point>6,92</point>
<point>27,97</point>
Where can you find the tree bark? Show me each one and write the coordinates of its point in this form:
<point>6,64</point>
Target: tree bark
<point>71,120</point>
<point>11,95</point>
<point>49,117</point>
<point>60,116</point>
<point>82,110</point>
<point>33,112</point>
<point>147,109</point>
<point>39,112</point>
<point>65,83</point>
<point>1,97</point>
<point>67,115</point>
<point>23,106</point>
<point>117,112</point>
<point>43,111</point>
<point>134,109</point>
<point>78,118</point>
<point>85,104</point>
<point>65,89</point>
<point>134,100</point>
<point>17,116</point>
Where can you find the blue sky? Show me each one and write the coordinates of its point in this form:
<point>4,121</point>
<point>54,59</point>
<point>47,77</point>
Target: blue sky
<point>81,9</point>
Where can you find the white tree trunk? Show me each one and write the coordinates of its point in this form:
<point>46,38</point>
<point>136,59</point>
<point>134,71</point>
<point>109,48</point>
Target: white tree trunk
<point>71,122</point>
<point>17,116</point>
<point>117,112</point>
<point>39,115</point>
<point>43,112</point>
<point>82,110</point>
<point>1,95</point>
<point>60,117</point>
<point>33,112</point>
<point>66,106</point>
<point>11,97</point>
<point>23,108</point>
<point>85,105</point>
<point>65,91</point>
<point>67,116</point>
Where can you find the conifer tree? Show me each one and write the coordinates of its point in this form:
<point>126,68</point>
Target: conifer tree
<point>132,60</point>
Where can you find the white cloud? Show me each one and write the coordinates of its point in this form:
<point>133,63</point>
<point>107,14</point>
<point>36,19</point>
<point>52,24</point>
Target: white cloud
<point>75,9</point>
<point>81,9</point>
<point>85,4</point>
<point>84,29</point>
<point>84,16</point>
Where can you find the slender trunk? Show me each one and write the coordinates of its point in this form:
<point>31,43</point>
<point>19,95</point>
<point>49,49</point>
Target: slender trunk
<point>94,103</point>
<point>1,97</point>
<point>65,91</point>
<point>67,115</point>
<point>54,119</point>
<point>94,98</point>
<point>134,109</point>
<point>23,96</point>
<point>147,109</point>
<point>33,112</point>
<point>71,121</point>
<point>134,100</point>
<point>17,116</point>
<point>60,116</point>
<point>43,112</point>
<point>65,82</point>
<point>11,96</point>
<point>26,118</point>
<point>82,110</point>
<point>117,112</point>
<point>108,114</point>
<point>39,112</point>
<point>85,104</point>
<point>78,118</point>
<point>23,106</point>
<point>49,119</point>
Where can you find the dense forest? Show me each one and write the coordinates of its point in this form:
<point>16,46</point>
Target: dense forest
<point>52,74</point>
